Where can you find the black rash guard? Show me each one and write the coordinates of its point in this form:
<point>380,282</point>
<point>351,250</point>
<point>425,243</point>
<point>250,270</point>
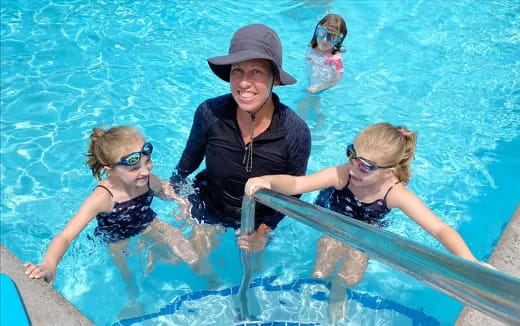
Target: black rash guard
<point>284,148</point>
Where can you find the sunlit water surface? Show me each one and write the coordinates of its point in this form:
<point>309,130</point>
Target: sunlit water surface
<point>448,70</point>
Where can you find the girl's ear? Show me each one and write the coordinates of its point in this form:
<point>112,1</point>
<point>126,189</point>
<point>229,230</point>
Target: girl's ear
<point>390,172</point>
<point>276,81</point>
<point>107,169</point>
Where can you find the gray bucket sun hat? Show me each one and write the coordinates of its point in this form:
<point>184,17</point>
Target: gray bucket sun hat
<point>250,42</point>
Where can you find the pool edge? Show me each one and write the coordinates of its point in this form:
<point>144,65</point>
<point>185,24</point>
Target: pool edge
<point>506,258</point>
<point>44,305</point>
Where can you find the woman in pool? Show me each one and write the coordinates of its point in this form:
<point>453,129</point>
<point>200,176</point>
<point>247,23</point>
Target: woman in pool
<point>121,204</point>
<point>241,135</point>
<point>366,188</point>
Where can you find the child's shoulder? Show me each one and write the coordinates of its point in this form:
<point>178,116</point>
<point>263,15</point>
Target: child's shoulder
<point>335,60</point>
<point>100,199</point>
<point>335,57</point>
<point>104,186</point>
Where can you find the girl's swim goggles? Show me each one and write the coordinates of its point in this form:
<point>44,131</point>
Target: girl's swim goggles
<point>323,33</point>
<point>135,158</point>
<point>363,164</point>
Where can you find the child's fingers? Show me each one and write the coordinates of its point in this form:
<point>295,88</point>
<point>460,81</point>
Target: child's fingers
<point>252,187</point>
<point>38,272</point>
<point>35,271</point>
<point>29,268</point>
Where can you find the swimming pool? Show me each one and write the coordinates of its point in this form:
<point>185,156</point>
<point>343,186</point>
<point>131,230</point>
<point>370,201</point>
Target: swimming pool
<point>448,70</point>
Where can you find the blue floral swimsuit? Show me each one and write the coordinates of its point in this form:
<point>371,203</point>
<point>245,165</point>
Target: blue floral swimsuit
<point>126,219</point>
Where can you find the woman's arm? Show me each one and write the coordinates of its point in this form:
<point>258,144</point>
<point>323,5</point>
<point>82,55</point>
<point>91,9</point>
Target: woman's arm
<point>195,148</point>
<point>97,202</point>
<point>400,197</point>
<point>162,188</point>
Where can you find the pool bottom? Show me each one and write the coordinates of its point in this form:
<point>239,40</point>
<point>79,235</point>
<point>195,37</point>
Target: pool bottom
<point>301,302</point>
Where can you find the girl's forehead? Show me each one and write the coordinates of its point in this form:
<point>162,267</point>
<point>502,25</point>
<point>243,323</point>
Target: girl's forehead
<point>332,24</point>
<point>132,146</point>
<point>372,155</point>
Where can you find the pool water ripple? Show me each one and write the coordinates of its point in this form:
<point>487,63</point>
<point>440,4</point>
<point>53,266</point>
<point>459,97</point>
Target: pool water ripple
<point>448,70</point>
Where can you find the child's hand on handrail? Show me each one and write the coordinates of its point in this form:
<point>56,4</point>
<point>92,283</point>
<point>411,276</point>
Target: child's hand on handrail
<point>255,184</point>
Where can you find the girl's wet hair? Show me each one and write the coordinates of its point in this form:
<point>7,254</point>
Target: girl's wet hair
<point>394,145</point>
<point>105,145</point>
<point>334,23</point>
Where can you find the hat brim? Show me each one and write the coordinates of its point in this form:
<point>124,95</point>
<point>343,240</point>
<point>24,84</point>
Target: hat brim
<point>221,66</point>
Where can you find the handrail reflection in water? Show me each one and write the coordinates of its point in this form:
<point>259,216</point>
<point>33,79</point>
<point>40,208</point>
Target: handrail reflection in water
<point>491,292</point>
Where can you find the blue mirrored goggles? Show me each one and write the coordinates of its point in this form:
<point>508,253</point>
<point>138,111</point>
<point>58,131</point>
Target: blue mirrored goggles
<point>323,33</point>
<point>363,164</point>
<point>135,158</point>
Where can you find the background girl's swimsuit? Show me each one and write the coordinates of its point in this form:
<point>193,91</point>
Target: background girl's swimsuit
<point>284,148</point>
<point>345,202</point>
<point>321,68</point>
<point>126,219</point>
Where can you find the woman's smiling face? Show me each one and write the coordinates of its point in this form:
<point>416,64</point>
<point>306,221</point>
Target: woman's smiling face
<point>251,82</point>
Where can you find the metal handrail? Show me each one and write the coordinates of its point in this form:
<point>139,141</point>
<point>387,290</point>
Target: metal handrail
<point>489,291</point>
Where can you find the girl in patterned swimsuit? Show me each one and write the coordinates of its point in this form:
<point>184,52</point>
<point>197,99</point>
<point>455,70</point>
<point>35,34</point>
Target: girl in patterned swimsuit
<point>366,188</point>
<point>121,204</point>
<point>324,63</point>
<point>323,57</point>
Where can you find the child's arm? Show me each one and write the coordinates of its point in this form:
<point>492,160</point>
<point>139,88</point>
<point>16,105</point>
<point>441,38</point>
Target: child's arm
<point>412,206</point>
<point>162,188</point>
<point>165,191</point>
<point>337,61</point>
<point>292,185</point>
<point>328,84</point>
<point>97,202</point>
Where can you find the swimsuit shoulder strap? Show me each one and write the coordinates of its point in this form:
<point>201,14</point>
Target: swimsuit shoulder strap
<point>101,186</point>
<point>388,191</point>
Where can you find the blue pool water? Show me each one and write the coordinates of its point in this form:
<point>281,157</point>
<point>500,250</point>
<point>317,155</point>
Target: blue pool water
<point>448,70</point>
